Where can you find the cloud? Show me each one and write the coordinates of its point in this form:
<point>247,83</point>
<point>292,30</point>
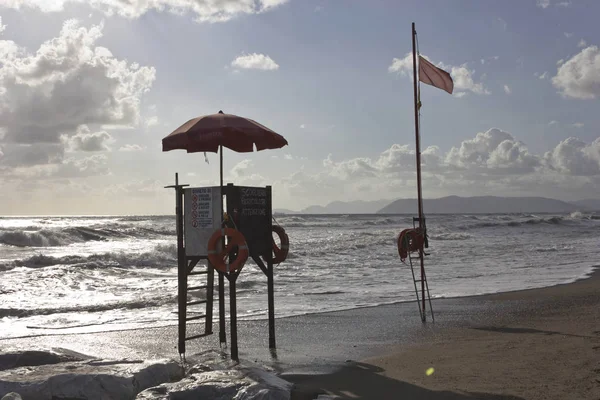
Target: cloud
<point>542,3</point>
<point>579,76</point>
<point>484,60</point>
<point>507,89</point>
<point>2,27</point>
<point>52,100</point>
<point>203,10</point>
<point>68,82</point>
<point>27,155</point>
<point>131,148</point>
<point>574,157</point>
<point>568,34</point>
<point>85,140</point>
<point>491,161</point>
<point>582,43</point>
<point>493,149</point>
<point>578,124</point>
<point>564,4</point>
<point>255,61</point>
<point>543,75</point>
<point>553,122</point>
<point>152,121</point>
<point>502,22</point>
<point>461,75</point>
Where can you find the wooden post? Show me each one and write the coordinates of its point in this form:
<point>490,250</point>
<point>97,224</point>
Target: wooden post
<point>270,283</point>
<point>418,154</point>
<point>181,265</point>
<point>222,333</point>
<point>232,277</point>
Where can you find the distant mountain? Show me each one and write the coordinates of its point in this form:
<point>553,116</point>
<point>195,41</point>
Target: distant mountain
<point>588,204</point>
<point>284,211</point>
<point>347,207</point>
<point>480,205</point>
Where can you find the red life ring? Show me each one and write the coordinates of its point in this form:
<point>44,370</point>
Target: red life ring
<point>409,240</point>
<point>280,254</point>
<point>217,259</point>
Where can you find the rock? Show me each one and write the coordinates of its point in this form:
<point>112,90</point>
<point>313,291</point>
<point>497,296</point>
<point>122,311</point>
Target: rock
<point>242,383</point>
<point>93,379</point>
<point>32,358</point>
<point>12,396</point>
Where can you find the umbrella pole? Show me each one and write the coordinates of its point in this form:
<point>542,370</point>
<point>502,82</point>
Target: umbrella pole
<point>222,334</point>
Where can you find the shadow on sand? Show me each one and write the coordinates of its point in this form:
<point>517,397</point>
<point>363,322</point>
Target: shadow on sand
<point>363,381</point>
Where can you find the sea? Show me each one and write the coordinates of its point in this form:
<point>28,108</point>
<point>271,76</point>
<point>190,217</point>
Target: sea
<point>99,273</point>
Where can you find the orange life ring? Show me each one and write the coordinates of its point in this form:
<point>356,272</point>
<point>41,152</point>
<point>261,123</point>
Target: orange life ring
<point>409,240</point>
<point>217,259</point>
<point>280,254</point>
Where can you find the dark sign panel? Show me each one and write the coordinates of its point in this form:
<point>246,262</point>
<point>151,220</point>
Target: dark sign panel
<point>251,209</point>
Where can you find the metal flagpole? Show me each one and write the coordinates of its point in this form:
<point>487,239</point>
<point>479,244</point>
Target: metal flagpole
<point>418,156</point>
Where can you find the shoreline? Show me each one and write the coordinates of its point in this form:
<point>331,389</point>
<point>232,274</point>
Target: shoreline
<point>593,274</point>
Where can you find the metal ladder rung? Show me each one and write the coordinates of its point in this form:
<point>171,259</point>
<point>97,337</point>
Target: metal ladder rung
<point>197,287</point>
<point>196,317</point>
<point>193,303</point>
<point>198,336</point>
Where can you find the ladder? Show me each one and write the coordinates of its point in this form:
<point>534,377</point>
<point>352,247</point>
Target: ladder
<point>415,260</point>
<point>197,290</point>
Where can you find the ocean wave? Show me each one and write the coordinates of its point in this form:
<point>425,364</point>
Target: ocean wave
<point>450,236</point>
<point>30,237</point>
<point>163,255</point>
<point>128,305</point>
<point>525,221</point>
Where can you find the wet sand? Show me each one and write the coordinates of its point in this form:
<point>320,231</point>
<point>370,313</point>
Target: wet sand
<point>532,344</point>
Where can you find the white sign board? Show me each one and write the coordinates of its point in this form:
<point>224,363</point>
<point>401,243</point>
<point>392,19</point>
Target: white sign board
<point>202,216</point>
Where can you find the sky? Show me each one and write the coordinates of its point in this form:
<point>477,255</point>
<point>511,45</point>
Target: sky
<point>88,89</point>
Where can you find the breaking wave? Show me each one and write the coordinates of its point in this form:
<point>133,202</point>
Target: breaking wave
<point>129,305</point>
<point>164,255</point>
<point>29,237</point>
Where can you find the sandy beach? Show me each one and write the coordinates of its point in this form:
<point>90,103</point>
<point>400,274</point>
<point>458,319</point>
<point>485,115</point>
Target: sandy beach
<point>532,344</point>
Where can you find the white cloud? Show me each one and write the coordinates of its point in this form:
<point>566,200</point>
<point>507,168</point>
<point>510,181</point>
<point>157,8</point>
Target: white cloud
<point>553,122</point>
<point>52,100</point>
<point>560,62</point>
<point>542,3</point>
<point>2,27</point>
<point>302,126</point>
<point>564,4</point>
<point>152,121</point>
<point>203,10</point>
<point>573,156</point>
<point>491,161</point>
<point>243,173</point>
<point>507,89</point>
<point>579,76</point>
<point>578,124</point>
<point>582,43</point>
<point>86,140</point>
<point>568,34</point>
<point>131,148</point>
<point>461,75</point>
<point>543,75</point>
<point>255,61</point>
